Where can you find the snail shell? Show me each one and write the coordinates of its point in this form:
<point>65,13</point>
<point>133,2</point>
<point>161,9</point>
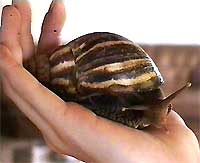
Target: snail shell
<point>108,74</point>
<point>103,63</point>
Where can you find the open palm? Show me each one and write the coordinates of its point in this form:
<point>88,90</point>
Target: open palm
<point>69,128</point>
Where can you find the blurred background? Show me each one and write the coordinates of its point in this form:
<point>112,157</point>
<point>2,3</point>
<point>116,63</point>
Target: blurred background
<point>169,31</point>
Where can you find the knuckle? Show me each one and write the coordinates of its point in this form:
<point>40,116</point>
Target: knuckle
<point>7,63</point>
<point>3,49</point>
<point>6,60</point>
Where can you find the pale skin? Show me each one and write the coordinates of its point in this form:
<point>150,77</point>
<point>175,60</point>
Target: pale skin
<point>69,128</point>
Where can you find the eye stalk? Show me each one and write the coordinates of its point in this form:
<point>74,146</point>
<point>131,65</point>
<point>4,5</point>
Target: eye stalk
<point>163,108</point>
<point>165,102</point>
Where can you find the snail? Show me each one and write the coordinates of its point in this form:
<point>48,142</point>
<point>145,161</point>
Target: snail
<point>111,76</point>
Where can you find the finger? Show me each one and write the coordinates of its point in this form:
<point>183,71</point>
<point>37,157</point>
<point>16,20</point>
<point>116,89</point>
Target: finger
<point>24,106</point>
<point>173,118</point>
<point>46,129</point>
<point>54,145</point>
<point>180,134</point>
<point>51,28</point>
<point>26,39</point>
<point>39,121</point>
<point>10,30</point>
<point>7,63</point>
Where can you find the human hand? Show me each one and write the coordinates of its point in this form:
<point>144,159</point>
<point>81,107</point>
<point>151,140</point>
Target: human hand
<point>69,128</point>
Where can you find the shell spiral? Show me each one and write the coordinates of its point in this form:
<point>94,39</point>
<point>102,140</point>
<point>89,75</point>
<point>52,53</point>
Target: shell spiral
<point>103,63</point>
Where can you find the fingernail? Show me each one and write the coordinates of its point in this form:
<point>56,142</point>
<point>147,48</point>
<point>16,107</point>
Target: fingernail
<point>57,1</point>
<point>54,2</point>
<point>19,1</point>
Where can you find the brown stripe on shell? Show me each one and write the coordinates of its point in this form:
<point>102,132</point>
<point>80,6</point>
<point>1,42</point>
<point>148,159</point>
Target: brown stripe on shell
<point>116,67</point>
<point>91,38</point>
<point>118,50</point>
<point>104,37</point>
<point>65,66</point>
<point>101,47</point>
<point>63,72</point>
<point>60,81</point>
<point>126,82</point>
<point>114,87</point>
<point>127,74</point>
<point>64,84</point>
<point>62,54</point>
<point>109,60</point>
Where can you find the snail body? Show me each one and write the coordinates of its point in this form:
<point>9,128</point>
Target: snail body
<point>110,75</point>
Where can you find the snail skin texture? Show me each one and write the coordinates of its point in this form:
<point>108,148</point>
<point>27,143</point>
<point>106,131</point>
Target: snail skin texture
<point>110,75</point>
